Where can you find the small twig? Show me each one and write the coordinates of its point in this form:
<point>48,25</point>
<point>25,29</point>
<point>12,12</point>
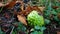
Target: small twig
<point>12,30</point>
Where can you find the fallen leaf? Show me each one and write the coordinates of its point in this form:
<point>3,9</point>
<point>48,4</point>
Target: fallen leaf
<point>58,32</point>
<point>11,4</point>
<point>41,8</point>
<point>22,19</point>
<point>55,7</point>
<point>1,4</point>
<point>59,15</point>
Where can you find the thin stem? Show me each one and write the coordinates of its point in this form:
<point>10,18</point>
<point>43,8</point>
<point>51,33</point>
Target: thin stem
<point>2,7</point>
<point>12,30</point>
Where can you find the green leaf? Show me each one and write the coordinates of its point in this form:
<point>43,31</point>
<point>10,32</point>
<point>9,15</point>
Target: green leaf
<point>43,28</point>
<point>1,32</point>
<point>13,32</point>
<point>53,12</point>
<point>47,21</point>
<point>37,32</point>
<point>37,27</point>
<point>21,27</point>
<point>56,18</point>
<point>40,28</point>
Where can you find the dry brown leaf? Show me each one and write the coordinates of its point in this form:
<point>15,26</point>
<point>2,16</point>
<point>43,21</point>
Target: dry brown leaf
<point>55,7</point>
<point>30,8</point>
<point>22,19</point>
<point>1,4</point>
<point>59,0</point>
<point>59,15</point>
<point>41,8</point>
<point>11,4</point>
<point>58,32</point>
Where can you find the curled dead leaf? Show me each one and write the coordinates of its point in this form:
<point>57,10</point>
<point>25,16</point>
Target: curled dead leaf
<point>22,19</point>
<point>59,15</point>
<point>55,7</point>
